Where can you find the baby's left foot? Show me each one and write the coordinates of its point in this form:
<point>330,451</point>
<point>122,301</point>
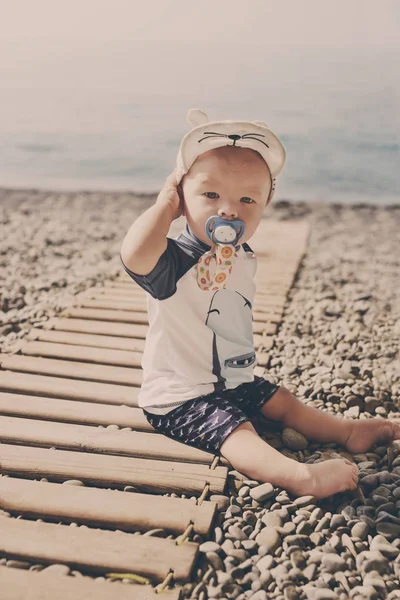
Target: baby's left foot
<point>366,433</point>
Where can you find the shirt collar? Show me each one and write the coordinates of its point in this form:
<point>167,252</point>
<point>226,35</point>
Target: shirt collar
<point>189,233</point>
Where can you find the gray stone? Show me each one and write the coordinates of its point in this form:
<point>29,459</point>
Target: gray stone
<point>272,519</point>
<point>360,530</point>
<point>269,538</point>
<point>220,500</point>
<point>333,563</point>
<point>302,501</point>
<point>262,492</point>
<point>372,561</point>
<point>210,547</point>
<point>293,439</point>
<point>58,569</point>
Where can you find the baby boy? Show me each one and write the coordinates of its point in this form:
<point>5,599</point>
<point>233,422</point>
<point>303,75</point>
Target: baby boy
<point>199,386</point>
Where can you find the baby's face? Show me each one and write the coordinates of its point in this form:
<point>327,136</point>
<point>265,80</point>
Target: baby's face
<point>230,182</point>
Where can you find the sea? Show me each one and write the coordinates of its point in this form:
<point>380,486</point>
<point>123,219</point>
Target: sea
<point>110,116</point>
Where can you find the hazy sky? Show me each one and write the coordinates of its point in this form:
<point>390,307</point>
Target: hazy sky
<point>312,23</point>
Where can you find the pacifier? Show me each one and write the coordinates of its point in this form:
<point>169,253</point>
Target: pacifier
<point>222,231</point>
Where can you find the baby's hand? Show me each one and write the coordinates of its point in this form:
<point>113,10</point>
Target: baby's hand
<point>171,195</point>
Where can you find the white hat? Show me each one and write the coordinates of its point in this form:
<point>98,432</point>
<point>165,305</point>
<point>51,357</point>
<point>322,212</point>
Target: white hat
<point>206,135</point>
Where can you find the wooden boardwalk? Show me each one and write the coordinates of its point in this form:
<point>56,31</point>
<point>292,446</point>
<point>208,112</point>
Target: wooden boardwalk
<point>68,411</point>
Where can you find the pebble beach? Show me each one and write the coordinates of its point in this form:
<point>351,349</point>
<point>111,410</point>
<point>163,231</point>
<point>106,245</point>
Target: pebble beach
<point>337,349</point>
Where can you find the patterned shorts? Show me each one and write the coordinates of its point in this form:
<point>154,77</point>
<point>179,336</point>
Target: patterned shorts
<point>205,422</point>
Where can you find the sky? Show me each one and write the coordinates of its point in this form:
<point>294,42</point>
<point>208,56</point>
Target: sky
<point>283,23</point>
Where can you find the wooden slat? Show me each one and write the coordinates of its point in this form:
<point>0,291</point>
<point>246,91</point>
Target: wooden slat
<point>97,551</point>
<point>117,316</point>
<point>121,358</point>
<point>81,353</point>
<point>85,339</point>
<point>272,313</point>
<point>99,302</point>
<point>154,476</point>
<point>87,438</point>
<point>109,508</point>
<point>98,327</point>
<point>71,389</point>
<point>40,585</point>
<point>72,369</point>
<point>104,327</point>
<point>72,411</point>
<point>264,326</point>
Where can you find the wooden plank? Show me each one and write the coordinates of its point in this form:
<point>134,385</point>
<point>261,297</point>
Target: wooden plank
<point>71,389</point>
<point>97,327</point>
<point>107,327</point>
<point>73,411</point>
<point>274,317</point>
<point>17,584</point>
<point>272,313</point>
<point>87,438</point>
<point>96,551</point>
<point>264,326</point>
<point>99,302</point>
<point>118,316</point>
<point>85,339</point>
<point>72,369</point>
<point>104,508</point>
<point>105,356</point>
<point>148,476</point>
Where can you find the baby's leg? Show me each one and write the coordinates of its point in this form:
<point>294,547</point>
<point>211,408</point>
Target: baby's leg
<point>356,436</point>
<point>250,455</point>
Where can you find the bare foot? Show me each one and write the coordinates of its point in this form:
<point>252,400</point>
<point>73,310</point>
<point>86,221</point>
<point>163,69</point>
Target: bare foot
<point>366,433</point>
<point>323,479</point>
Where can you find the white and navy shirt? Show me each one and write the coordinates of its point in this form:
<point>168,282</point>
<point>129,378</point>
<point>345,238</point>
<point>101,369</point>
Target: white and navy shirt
<point>198,341</point>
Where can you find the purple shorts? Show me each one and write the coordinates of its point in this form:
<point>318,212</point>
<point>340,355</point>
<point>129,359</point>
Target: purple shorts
<point>205,422</point>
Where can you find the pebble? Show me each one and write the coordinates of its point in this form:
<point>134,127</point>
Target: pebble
<point>333,563</point>
<point>18,564</point>
<point>272,519</point>
<point>220,500</point>
<point>76,482</point>
<point>57,569</point>
<point>380,544</point>
<point>372,561</point>
<point>215,560</point>
<point>305,501</point>
<point>293,439</point>
<point>360,530</point>
<point>262,492</point>
<point>269,538</point>
<point>210,547</point>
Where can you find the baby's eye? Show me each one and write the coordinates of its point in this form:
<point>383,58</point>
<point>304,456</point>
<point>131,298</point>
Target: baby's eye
<point>244,197</point>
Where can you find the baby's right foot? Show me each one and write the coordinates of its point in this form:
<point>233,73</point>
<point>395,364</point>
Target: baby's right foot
<point>323,479</point>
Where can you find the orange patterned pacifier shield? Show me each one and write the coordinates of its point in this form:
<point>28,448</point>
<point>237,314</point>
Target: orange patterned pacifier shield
<point>217,264</point>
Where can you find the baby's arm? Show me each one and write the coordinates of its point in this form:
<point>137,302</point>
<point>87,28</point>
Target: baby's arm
<point>146,240</point>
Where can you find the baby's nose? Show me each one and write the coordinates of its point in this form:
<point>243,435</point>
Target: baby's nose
<point>227,212</point>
